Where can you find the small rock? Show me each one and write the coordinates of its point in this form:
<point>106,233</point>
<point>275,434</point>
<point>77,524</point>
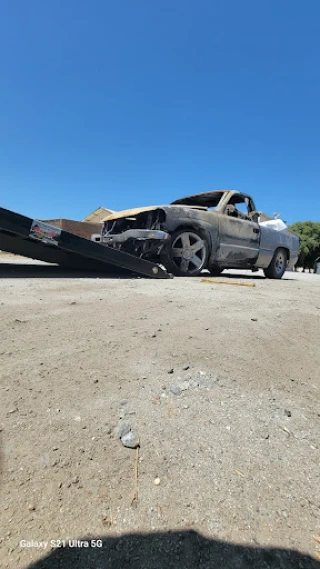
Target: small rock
<point>75,480</point>
<point>72,303</point>
<point>31,507</point>
<point>123,402</point>
<point>154,335</point>
<point>121,430</point>
<point>175,390</point>
<point>171,371</point>
<point>254,319</point>
<point>287,412</point>
<point>95,381</point>
<point>130,440</point>
<point>186,367</point>
<point>156,481</point>
<point>184,385</point>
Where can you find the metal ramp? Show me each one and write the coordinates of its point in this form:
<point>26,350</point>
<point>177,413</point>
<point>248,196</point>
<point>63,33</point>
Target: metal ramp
<point>38,240</point>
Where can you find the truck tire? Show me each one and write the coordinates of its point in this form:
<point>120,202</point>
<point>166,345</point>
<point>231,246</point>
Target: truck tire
<point>278,265</point>
<point>186,254</point>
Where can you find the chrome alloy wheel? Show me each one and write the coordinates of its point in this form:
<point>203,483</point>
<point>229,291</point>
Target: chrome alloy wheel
<point>189,252</point>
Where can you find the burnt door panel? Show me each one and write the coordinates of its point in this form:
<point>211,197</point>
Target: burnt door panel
<point>239,241</point>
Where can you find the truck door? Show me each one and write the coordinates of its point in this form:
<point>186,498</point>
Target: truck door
<point>239,241</point>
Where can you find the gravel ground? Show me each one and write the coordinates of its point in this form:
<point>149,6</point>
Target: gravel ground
<point>219,383</point>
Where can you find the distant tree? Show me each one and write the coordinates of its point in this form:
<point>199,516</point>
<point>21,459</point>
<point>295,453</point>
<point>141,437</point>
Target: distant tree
<point>309,233</point>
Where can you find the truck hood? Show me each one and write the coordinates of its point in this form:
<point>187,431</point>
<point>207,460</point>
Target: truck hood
<point>135,211</point>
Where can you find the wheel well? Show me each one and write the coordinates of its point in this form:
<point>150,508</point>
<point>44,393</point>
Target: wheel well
<point>286,250</point>
<point>188,228</point>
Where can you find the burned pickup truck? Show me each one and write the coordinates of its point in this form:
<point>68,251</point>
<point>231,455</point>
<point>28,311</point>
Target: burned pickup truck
<point>215,230</point>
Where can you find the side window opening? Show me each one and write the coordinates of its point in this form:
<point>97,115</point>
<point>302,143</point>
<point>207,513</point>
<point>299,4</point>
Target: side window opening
<point>243,207</point>
<point>239,207</point>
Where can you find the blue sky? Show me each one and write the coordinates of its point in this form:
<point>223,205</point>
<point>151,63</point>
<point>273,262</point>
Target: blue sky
<point>134,103</point>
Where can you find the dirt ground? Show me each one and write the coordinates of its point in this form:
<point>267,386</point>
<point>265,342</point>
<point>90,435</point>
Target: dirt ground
<point>221,385</point>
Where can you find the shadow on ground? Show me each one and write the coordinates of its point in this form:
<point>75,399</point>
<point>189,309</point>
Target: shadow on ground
<point>21,270</point>
<point>172,550</point>
<point>240,275</point>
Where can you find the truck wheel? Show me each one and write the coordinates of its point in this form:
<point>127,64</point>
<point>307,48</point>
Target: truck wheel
<point>186,254</point>
<point>278,265</point>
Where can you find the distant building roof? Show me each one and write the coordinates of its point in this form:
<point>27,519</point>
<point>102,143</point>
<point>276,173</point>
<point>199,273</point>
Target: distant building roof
<point>98,215</point>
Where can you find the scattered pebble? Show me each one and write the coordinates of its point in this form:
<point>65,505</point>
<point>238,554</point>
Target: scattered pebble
<point>175,390</point>
<point>171,371</point>
<point>130,440</point>
<point>31,507</point>
<point>254,319</point>
<point>287,412</point>
<point>156,481</point>
<point>186,367</point>
<point>154,335</point>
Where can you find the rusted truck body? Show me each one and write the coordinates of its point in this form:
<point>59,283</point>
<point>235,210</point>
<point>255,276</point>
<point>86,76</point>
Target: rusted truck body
<point>215,230</point>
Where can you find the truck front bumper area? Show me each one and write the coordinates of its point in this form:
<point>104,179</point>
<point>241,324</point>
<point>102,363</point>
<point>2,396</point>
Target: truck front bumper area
<point>138,234</point>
